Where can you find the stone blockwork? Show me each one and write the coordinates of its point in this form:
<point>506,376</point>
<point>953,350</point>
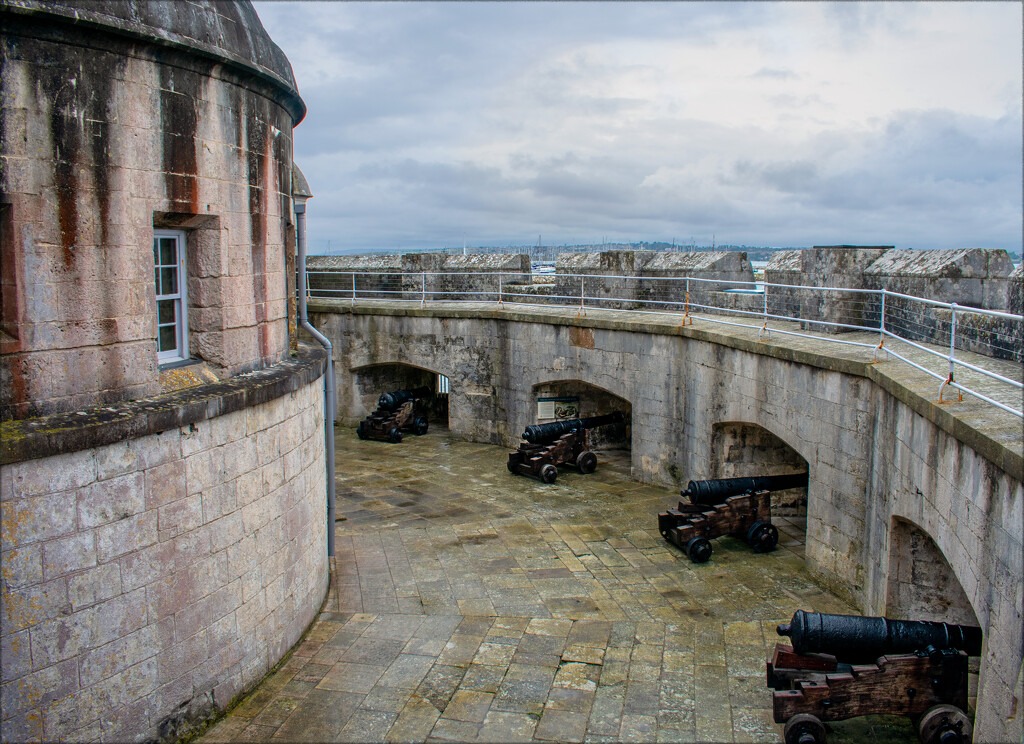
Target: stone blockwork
<point>148,582</point>
<point>417,276</point>
<point>970,277</point>
<point>743,450</point>
<point>118,119</point>
<point>650,277</point>
<point>876,449</point>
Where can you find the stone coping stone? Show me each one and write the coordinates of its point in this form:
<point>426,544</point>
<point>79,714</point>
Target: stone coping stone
<point>417,262</point>
<point>788,260</point>
<point>978,425</point>
<point>639,262</point>
<point>45,436</point>
<point>982,263</point>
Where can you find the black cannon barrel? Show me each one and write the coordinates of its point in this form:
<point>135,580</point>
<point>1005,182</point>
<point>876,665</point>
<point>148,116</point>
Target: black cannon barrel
<point>856,639</point>
<point>391,401</point>
<point>547,433</point>
<point>716,491</point>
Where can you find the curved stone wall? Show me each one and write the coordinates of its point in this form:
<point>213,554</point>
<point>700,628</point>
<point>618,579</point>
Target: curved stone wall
<point>148,581</point>
<point>876,446</point>
<point>119,119</point>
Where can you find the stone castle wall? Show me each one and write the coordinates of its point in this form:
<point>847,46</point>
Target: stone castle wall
<point>149,581</point>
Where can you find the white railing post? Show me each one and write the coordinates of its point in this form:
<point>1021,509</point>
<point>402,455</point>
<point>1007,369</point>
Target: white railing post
<point>423,288</point>
<point>952,351</point>
<point>499,289</point>
<point>881,329</point>
<point>764,327</point>
<point>353,288</point>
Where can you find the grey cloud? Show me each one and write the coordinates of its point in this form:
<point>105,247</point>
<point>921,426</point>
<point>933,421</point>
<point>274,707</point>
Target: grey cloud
<point>775,74</point>
<point>416,88</point>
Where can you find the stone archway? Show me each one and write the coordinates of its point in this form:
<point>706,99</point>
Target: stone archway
<point>592,401</point>
<point>921,584</point>
<point>373,379</point>
<point>741,449</point>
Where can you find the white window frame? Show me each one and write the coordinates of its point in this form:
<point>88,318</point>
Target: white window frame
<point>180,299</point>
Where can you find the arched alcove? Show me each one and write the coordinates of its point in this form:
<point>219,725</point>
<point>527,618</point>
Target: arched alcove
<point>740,449</point>
<point>590,400</point>
<point>374,379</point>
<point>921,583</point>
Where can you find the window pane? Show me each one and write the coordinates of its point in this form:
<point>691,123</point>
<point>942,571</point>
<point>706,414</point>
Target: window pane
<point>156,251</point>
<point>165,311</point>
<point>156,279</point>
<point>168,338</point>
<point>168,251</point>
<point>169,281</point>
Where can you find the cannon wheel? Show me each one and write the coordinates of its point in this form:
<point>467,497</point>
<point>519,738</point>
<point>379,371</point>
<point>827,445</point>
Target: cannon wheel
<point>360,431</point>
<point>419,426</point>
<point>763,537</point>
<point>586,462</point>
<point>803,728</point>
<point>944,724</point>
<point>699,549</point>
<point>548,473</point>
<point>395,435</point>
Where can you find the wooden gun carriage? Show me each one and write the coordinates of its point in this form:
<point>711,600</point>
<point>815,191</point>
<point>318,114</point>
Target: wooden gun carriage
<point>548,446</point>
<point>726,506</point>
<point>842,666</point>
<point>691,527</point>
<point>396,411</point>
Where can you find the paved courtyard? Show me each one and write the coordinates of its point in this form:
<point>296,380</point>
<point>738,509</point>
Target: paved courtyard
<point>472,605</point>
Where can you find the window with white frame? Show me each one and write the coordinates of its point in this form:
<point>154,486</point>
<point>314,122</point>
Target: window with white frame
<point>171,302</point>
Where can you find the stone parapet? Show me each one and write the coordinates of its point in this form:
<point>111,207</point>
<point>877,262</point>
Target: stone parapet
<point>414,276</point>
<point>969,277</point>
<point>647,278</point>
<point>150,580</point>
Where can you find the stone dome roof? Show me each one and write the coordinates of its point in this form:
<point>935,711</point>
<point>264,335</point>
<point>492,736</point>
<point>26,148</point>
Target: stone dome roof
<point>228,32</point>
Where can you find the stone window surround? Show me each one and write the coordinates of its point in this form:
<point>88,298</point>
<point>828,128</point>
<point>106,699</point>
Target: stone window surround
<point>203,247</point>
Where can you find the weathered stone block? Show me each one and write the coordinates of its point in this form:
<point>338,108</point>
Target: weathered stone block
<point>25,521</point>
<point>128,534</point>
<point>73,470</point>
<point>93,586</point>
<point>110,500</point>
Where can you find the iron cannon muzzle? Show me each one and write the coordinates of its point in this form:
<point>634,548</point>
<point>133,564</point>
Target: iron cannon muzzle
<point>391,401</point>
<point>856,639</point>
<point>716,491</point>
<point>547,433</point>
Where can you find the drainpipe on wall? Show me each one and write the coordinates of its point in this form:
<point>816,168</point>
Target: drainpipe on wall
<point>300,193</point>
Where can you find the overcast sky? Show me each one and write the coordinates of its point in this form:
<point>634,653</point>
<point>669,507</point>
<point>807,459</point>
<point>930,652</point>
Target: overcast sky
<point>774,124</point>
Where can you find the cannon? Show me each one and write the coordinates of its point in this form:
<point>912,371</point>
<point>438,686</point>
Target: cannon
<point>548,446</point>
<point>844,666</point>
<point>852,638</point>
<point>716,491</point>
<point>394,399</point>
<point>396,411</point>
<point>691,527</point>
<point>547,433</point>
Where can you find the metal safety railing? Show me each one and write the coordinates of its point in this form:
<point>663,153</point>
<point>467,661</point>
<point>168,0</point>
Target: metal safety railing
<point>946,341</point>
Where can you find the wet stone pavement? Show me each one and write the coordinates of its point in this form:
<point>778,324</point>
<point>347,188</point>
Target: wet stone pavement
<point>469,604</point>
